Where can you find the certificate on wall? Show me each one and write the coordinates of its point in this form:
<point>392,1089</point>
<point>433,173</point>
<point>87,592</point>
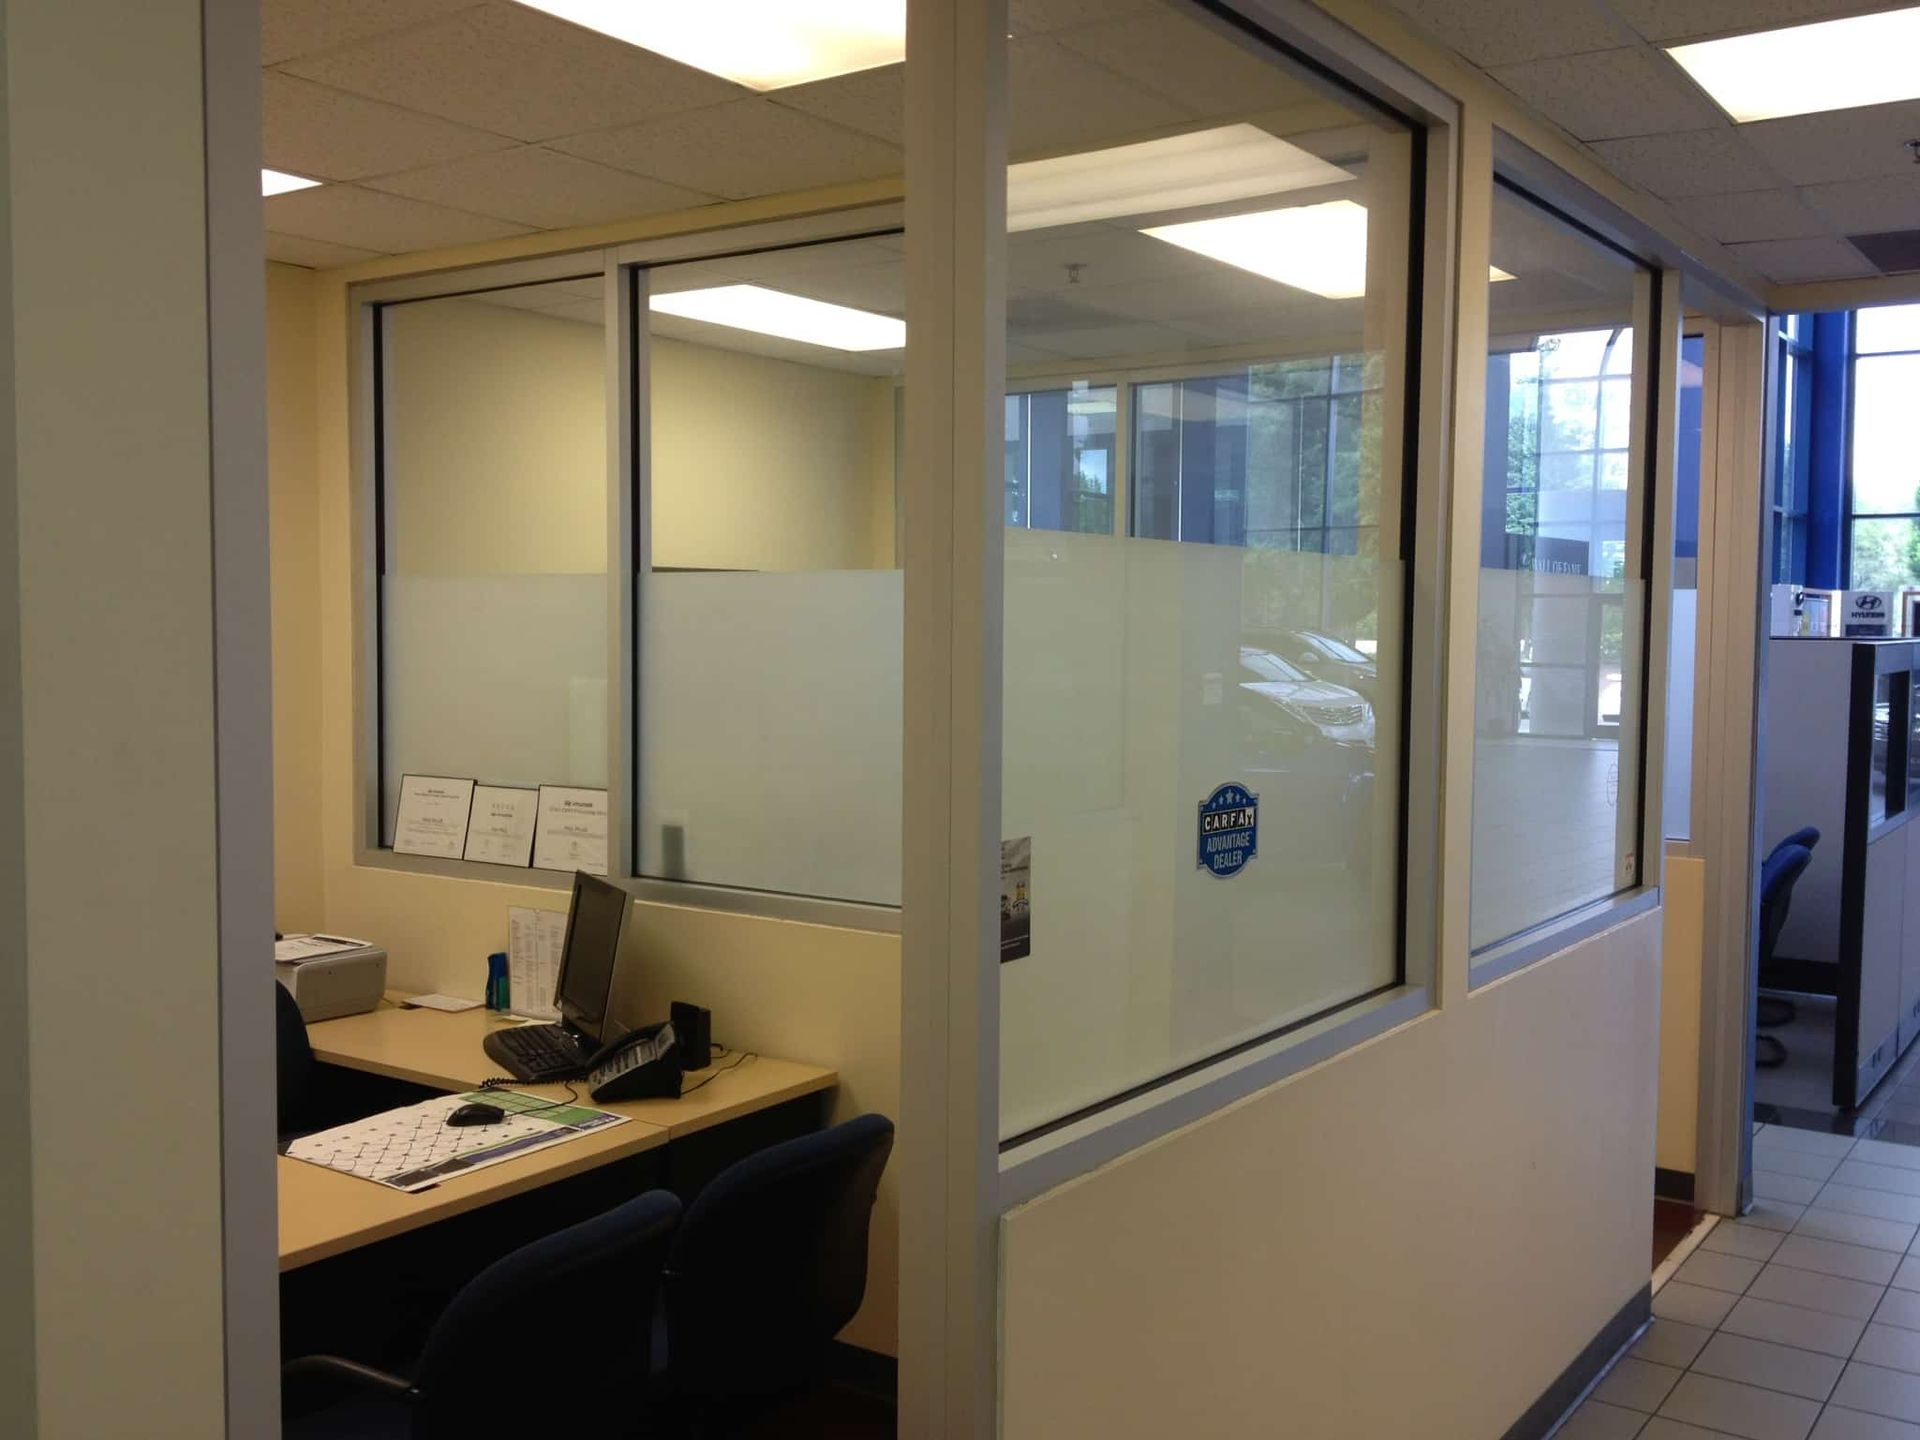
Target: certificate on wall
<point>500,829</point>
<point>432,819</point>
<point>572,830</point>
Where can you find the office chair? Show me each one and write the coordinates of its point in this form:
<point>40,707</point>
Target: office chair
<point>1782,870</point>
<point>769,1266</point>
<point>1770,1010</point>
<point>299,1076</point>
<point>575,1304</point>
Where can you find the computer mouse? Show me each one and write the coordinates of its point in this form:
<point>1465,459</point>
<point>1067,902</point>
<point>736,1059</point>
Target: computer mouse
<point>477,1114</point>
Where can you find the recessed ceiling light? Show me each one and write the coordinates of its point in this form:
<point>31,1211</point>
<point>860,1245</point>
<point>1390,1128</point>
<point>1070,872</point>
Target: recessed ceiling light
<point>279,182</point>
<point>762,44</point>
<point>1830,65</point>
<point>1204,167</point>
<point>1495,275</point>
<point>791,317</point>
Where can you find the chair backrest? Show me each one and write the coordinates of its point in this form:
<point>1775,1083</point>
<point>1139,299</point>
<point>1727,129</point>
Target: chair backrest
<point>1777,878</point>
<point>294,1061</point>
<point>552,1339</point>
<point>771,1262</point>
<point>1807,836</point>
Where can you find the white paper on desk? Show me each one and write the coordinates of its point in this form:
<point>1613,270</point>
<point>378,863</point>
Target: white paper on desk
<point>295,949</point>
<point>500,829</point>
<point>453,1004</point>
<point>535,939</point>
<point>432,818</point>
<point>572,830</point>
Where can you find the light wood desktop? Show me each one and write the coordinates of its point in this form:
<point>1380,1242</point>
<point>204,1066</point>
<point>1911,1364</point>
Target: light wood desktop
<point>324,1213</point>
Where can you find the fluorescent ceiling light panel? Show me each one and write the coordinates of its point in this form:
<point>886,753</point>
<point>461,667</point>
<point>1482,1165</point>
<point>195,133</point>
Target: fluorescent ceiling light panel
<point>791,317</point>
<point>1320,248</point>
<point>1831,65</point>
<point>762,44</point>
<point>279,182</point>
<point>1205,167</point>
<point>1495,275</point>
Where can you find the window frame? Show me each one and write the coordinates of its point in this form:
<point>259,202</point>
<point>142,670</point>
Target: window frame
<point>623,268</point>
<point>1853,514</point>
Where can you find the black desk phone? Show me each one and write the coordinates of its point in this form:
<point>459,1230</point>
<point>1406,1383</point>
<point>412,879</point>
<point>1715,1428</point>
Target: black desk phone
<point>642,1066</point>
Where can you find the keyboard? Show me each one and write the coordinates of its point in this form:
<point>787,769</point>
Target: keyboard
<point>536,1052</point>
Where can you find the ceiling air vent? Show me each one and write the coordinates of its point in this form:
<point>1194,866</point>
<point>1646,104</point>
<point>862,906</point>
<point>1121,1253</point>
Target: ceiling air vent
<point>1893,251</point>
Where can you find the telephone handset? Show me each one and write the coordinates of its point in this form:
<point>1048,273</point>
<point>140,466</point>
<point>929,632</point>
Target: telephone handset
<point>643,1065</point>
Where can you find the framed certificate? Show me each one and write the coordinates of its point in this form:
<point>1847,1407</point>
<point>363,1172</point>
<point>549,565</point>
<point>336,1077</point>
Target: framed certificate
<point>571,832</point>
<point>500,826</point>
<point>432,819</point>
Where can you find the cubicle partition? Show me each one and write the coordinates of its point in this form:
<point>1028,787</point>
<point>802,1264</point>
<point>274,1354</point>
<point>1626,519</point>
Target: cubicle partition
<point>1841,718</point>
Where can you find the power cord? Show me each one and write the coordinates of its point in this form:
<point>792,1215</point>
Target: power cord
<point>718,1070</point>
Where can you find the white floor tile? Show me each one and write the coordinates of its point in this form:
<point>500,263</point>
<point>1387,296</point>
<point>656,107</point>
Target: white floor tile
<point>1891,1347</point>
<point>1595,1421</point>
<point>1715,1271</point>
<point>1670,1342</point>
<point>1692,1305</point>
<point>1796,1162</point>
<point>1792,1189</point>
<point>1838,1424</point>
<point>1885,1152</point>
<point>1835,1294</point>
<point>1772,1367</point>
<point>1879,1391</point>
<point>1735,1237</point>
<point>1857,1200</point>
<point>1907,1276</point>
<point>1742,1410</point>
<point>1835,1257</point>
<point>1811,1142</point>
<point>1856,1229</point>
<point>1661,1428</point>
<point>1899,1307</point>
<point>1636,1385</point>
<point>1877,1177</point>
<point>1793,1325</point>
<point>1774,1215</point>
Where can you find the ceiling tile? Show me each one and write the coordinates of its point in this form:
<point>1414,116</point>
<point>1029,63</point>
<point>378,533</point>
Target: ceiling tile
<point>1751,215</point>
<point>314,254</point>
<point>1036,17</point>
<point>1866,207</point>
<point>747,148</point>
<point>1691,19</point>
<point>349,215</point>
<point>1788,262</point>
<point>1695,162</point>
<point>300,27</point>
<point>517,72</point>
<point>870,101</point>
<point>1839,144</point>
<point>1505,32</point>
<point>540,187</point>
<point>1610,94</point>
<point>1188,63</point>
<point>1057,100</point>
<point>314,130</point>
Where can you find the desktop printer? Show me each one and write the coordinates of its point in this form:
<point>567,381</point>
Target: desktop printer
<point>341,982</point>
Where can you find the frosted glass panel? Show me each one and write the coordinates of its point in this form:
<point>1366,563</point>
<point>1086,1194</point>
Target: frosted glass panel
<point>770,732</point>
<point>501,678</point>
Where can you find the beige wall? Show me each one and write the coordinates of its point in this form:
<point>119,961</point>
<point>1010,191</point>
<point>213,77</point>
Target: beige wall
<point>1412,1239</point>
<point>1682,953</point>
<point>292,476</point>
<point>813,993</point>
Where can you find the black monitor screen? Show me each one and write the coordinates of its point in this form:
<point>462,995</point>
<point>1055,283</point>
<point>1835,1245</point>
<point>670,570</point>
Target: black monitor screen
<point>598,916</point>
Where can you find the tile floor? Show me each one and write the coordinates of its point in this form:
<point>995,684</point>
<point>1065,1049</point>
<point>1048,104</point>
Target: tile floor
<point>1800,1322</point>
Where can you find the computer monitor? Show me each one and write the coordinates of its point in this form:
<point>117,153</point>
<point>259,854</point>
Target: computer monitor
<point>594,926</point>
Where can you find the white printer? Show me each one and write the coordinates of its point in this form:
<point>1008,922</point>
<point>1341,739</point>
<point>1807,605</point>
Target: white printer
<point>330,975</point>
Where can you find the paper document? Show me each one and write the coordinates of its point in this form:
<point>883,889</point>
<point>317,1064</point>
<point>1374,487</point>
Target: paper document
<point>572,831</point>
<point>453,1004</point>
<point>500,829</point>
<point>432,818</point>
<point>415,1149</point>
<point>293,949</point>
<point>535,940</point>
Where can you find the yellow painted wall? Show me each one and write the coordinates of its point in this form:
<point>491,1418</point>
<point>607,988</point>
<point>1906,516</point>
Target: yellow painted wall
<point>1683,952</point>
<point>809,992</point>
<point>1411,1240</point>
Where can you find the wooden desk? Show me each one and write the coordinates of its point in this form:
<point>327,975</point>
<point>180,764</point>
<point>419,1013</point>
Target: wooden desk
<point>324,1213</point>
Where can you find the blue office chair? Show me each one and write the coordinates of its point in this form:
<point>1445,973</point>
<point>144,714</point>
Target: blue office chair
<point>1775,1010</point>
<point>1778,876</point>
<point>548,1341</point>
<point>769,1266</point>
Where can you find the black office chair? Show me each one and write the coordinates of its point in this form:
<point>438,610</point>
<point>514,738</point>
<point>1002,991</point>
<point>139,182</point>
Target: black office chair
<point>550,1340</point>
<point>769,1266</point>
<point>1782,870</point>
<point>299,1081</point>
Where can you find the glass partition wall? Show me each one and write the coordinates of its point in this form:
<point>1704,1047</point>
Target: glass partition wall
<point>1209,260</point>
